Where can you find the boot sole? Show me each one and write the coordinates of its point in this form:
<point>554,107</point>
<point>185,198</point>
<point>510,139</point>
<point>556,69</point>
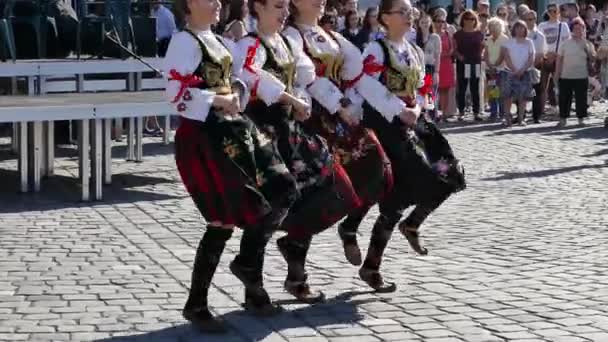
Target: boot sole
<point>208,326</point>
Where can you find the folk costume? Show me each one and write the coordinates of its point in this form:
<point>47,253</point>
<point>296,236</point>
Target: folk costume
<point>231,170</point>
<point>339,83</point>
<point>270,65</point>
<point>425,169</point>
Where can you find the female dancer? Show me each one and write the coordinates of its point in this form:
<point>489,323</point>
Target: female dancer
<point>234,175</point>
<point>425,170</point>
<point>335,96</point>
<point>277,72</point>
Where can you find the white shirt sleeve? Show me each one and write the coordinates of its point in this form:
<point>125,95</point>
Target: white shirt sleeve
<point>321,89</point>
<point>183,56</point>
<point>374,92</point>
<point>266,87</point>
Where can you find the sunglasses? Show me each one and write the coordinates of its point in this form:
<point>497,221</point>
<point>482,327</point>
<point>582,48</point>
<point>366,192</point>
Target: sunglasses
<point>502,14</point>
<point>438,21</point>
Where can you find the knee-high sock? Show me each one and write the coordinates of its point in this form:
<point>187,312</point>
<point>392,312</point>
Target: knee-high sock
<point>381,234</point>
<point>207,258</point>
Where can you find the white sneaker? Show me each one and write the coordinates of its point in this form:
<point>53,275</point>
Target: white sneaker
<point>581,122</point>
<point>562,123</point>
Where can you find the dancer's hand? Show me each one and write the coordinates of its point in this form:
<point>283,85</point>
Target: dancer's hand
<point>347,117</point>
<point>301,109</point>
<point>409,116</point>
<point>228,104</point>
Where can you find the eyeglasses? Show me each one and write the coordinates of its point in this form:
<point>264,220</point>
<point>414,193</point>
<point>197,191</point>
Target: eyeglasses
<point>530,19</point>
<point>484,16</point>
<point>439,21</point>
<point>502,14</point>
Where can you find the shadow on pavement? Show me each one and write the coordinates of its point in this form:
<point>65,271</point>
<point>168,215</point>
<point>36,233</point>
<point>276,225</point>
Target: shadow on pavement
<point>585,132</point>
<point>543,173</point>
<point>60,192</point>
<point>244,327</point>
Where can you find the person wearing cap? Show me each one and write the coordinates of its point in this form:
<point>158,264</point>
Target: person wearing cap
<point>483,7</point>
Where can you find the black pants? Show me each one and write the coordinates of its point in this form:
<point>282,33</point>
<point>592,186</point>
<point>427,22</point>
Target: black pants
<point>568,87</point>
<point>163,45</point>
<point>538,103</point>
<point>463,82</point>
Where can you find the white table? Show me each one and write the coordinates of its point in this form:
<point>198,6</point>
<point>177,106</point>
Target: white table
<point>94,110</point>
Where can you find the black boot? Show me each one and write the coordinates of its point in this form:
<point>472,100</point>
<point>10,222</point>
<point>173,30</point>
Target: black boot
<point>348,234</point>
<point>294,252</point>
<point>370,272</point>
<point>410,228</point>
<point>206,260</point>
<point>248,267</point>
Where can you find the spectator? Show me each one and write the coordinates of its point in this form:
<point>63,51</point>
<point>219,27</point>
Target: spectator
<point>516,86</point>
<point>574,57</point>
<point>511,16</point>
<point>446,61</point>
<point>521,10</point>
<point>371,29</point>
<point>483,7</point>
<point>349,6</point>
<point>540,49</point>
<point>494,65</point>
<point>165,26</point>
<point>351,26</point>
<point>430,43</point>
<point>328,22</point>
<point>468,46</point>
<point>454,12</point>
<point>593,24</point>
<point>236,27</point>
<point>555,33</point>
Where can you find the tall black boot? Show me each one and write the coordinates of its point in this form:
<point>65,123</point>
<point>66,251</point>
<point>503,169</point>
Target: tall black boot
<point>348,234</point>
<point>411,225</point>
<point>248,266</point>
<point>207,258</point>
<point>370,271</point>
<point>294,252</point>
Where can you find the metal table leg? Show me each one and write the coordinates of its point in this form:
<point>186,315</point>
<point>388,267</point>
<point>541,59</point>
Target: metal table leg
<point>166,129</point>
<point>107,151</point>
<point>15,138</point>
<point>84,161</point>
<point>23,155</point>
<point>131,140</point>
<point>139,140</point>
<point>96,158</point>
<point>35,166</point>
<point>50,148</point>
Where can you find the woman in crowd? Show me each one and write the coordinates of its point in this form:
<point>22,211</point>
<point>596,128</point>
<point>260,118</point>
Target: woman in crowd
<point>494,64</point>
<point>424,168</point>
<point>370,30</point>
<point>572,72</point>
<point>446,62</point>
<point>430,43</point>
<point>236,27</point>
<point>358,153</point>
<point>516,83</point>
<point>233,174</point>
<point>351,26</point>
<point>468,49</point>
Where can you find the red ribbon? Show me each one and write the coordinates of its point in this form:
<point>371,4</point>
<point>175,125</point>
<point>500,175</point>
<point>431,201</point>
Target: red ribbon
<point>249,62</point>
<point>427,87</point>
<point>370,67</point>
<point>186,81</point>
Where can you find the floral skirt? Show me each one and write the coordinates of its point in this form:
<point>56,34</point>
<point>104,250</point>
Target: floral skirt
<point>518,88</point>
<point>362,175</point>
<point>232,173</point>
<point>423,161</point>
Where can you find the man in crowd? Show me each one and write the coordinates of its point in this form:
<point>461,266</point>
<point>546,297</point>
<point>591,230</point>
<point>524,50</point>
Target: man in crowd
<point>165,26</point>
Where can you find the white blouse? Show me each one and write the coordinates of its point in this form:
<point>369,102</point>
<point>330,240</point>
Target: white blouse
<point>267,87</point>
<point>325,91</point>
<point>407,55</point>
<point>184,56</point>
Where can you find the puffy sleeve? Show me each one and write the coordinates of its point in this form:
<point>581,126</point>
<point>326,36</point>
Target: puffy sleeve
<point>369,86</point>
<point>249,57</point>
<point>182,58</point>
<point>321,89</point>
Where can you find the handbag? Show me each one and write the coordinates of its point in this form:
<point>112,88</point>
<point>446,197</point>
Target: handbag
<point>534,75</point>
<point>549,65</point>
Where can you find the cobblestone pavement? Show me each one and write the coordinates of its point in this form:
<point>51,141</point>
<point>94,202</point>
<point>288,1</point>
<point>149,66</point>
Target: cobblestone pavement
<point>519,256</point>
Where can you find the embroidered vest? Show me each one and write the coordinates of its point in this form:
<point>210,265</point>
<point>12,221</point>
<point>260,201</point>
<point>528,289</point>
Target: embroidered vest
<point>214,72</point>
<point>401,80</point>
<point>326,64</point>
<point>286,71</point>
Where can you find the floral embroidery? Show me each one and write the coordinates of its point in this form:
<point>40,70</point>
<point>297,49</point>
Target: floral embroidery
<point>259,178</point>
<point>263,139</point>
<point>187,96</point>
<point>181,107</point>
<point>231,148</point>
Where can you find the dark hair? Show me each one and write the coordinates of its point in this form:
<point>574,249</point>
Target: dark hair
<point>181,9</point>
<point>578,21</point>
<point>235,10</point>
<point>468,14</point>
<point>293,14</point>
<point>328,19</point>
<point>346,21</point>
<point>419,38</point>
<point>385,6</point>
<point>366,25</point>
<point>514,28</point>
